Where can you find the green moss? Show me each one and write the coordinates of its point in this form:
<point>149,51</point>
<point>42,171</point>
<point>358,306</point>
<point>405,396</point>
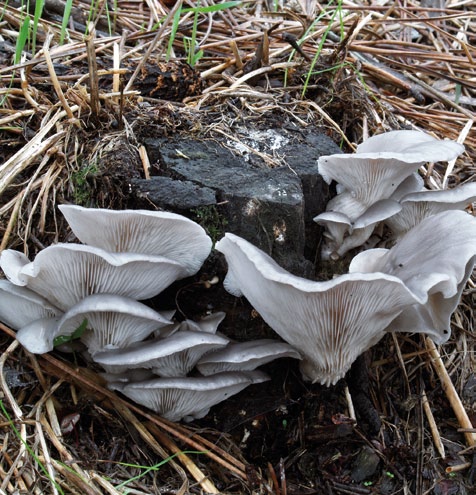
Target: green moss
<point>211,220</point>
<point>81,183</point>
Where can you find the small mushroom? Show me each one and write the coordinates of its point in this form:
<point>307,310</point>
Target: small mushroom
<point>172,356</point>
<point>330,323</point>
<point>384,165</point>
<point>66,273</point>
<point>187,398</point>
<point>243,356</point>
<point>156,233</point>
<point>20,306</point>
<point>343,234</point>
<point>434,260</point>
<point>418,205</point>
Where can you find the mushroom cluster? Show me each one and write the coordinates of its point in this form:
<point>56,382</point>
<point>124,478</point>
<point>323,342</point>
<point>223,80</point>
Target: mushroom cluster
<point>379,183</point>
<point>413,287</point>
<point>92,290</point>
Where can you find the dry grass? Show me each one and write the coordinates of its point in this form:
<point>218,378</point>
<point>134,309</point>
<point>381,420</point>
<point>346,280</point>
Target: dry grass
<point>362,70</point>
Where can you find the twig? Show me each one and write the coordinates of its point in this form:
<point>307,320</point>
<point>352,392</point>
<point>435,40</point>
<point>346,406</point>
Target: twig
<point>450,391</point>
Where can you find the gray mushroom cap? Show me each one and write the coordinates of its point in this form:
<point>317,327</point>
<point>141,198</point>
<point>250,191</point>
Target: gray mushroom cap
<point>66,273</point>
<point>421,204</point>
<point>242,356</point>
<point>382,163</point>
<point>20,306</point>
<point>173,356</point>
<point>37,336</point>
<point>434,260</point>
<point>187,398</point>
<point>154,233</point>
<point>408,144</point>
<point>330,323</point>
<point>113,321</point>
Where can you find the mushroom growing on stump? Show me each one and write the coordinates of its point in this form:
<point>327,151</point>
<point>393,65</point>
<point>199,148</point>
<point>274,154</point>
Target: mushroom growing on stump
<point>156,233</point>
<point>434,260</point>
<point>66,273</point>
<point>376,170</point>
<point>190,397</point>
<point>330,323</point>
<point>343,234</point>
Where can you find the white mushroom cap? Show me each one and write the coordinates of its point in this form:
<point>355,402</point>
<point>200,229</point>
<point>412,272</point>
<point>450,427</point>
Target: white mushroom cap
<point>330,323</point>
<point>242,356</point>
<point>418,205</point>
<point>382,163</point>
<point>20,306</point>
<point>208,324</point>
<point>113,322</point>
<point>37,337</point>
<point>66,273</point>
<point>187,398</point>
<point>411,145</point>
<point>367,178</point>
<point>12,262</point>
<point>154,233</point>
<point>434,260</point>
<point>172,356</point>
<point>337,225</point>
<point>413,183</point>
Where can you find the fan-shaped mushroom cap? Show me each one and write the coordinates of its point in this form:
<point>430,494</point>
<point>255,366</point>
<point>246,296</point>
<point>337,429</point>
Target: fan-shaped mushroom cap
<point>412,144</point>
<point>243,356</point>
<point>413,183</point>
<point>187,398</point>
<point>208,324</point>
<point>418,205</point>
<point>172,356</point>
<point>113,321</point>
<point>434,260</point>
<point>156,233</point>
<point>20,306</point>
<point>66,273</point>
<point>382,163</point>
<point>330,323</point>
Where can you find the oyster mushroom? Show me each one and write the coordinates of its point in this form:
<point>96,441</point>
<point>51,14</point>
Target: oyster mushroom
<point>421,204</point>
<point>172,356</point>
<point>434,260</point>
<point>330,323</point>
<point>112,322</point>
<point>375,172</point>
<point>20,306</point>
<point>156,233</point>
<point>66,273</point>
<point>190,397</point>
<point>242,356</point>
